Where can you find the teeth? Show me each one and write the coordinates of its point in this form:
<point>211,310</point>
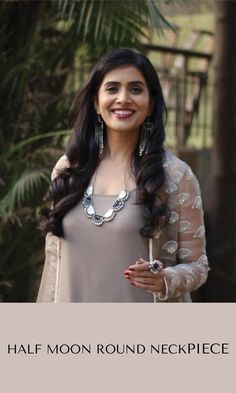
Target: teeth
<point>123,112</point>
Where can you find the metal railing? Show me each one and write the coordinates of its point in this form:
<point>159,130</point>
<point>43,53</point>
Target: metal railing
<point>187,91</point>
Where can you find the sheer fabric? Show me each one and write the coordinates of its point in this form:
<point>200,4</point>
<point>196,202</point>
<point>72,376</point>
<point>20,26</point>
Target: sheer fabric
<point>181,245</point>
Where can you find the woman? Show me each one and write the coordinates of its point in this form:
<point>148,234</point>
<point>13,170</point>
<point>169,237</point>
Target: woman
<point>126,223</point>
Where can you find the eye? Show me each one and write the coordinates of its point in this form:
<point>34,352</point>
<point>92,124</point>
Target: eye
<point>111,89</point>
<point>136,90</point>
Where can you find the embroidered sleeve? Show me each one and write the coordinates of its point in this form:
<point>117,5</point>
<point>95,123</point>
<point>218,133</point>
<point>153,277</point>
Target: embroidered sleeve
<point>49,280</point>
<point>192,264</point>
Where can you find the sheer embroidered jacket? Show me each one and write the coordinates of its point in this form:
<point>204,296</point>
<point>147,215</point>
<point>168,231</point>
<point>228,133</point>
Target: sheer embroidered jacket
<point>180,245</point>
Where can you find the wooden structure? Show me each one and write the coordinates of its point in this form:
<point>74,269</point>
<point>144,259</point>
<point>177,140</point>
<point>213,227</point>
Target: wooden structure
<point>176,73</point>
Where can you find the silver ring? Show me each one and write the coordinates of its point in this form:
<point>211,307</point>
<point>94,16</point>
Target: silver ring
<point>155,266</point>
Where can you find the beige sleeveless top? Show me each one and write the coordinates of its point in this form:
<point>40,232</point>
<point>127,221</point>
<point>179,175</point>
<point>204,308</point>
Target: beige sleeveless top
<point>93,258</point>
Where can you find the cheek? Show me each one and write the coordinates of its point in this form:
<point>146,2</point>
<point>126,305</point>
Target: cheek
<point>144,105</point>
<point>143,101</point>
<point>104,103</point>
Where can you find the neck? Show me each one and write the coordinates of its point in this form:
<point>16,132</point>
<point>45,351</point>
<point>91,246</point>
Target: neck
<point>120,147</point>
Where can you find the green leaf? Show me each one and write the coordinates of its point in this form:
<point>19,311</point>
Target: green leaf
<point>22,189</point>
<point>32,139</point>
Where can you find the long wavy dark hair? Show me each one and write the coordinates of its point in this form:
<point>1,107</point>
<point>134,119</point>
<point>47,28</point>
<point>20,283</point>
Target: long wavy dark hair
<point>67,189</point>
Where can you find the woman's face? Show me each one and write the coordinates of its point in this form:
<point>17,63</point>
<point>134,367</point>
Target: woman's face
<point>123,99</point>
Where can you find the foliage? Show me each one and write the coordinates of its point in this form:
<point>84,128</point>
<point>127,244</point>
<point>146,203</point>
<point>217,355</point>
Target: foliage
<point>45,45</point>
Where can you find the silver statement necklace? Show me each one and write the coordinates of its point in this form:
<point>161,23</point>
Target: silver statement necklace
<point>89,208</point>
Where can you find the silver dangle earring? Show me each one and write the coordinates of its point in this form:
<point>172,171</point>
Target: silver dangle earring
<point>146,129</point>
<point>99,126</point>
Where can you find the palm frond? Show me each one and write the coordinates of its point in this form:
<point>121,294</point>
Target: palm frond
<point>106,21</point>
<point>157,19</point>
<point>32,139</point>
<point>22,189</point>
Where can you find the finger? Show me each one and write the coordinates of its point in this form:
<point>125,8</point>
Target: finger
<point>144,280</point>
<point>133,274</point>
<point>139,266</point>
<point>144,274</point>
<point>141,275</point>
<point>153,283</point>
<point>157,287</point>
<point>147,287</point>
<point>140,260</point>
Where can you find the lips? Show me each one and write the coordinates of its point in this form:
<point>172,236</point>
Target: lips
<point>123,113</point>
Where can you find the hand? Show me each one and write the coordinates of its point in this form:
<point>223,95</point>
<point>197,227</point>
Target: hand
<point>140,276</point>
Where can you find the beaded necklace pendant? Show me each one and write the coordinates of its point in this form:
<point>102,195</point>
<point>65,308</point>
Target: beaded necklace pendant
<point>97,219</point>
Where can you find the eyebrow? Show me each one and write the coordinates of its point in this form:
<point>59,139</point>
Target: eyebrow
<point>129,83</point>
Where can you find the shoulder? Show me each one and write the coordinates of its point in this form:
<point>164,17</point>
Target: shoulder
<point>61,164</point>
<point>173,164</point>
<point>179,177</point>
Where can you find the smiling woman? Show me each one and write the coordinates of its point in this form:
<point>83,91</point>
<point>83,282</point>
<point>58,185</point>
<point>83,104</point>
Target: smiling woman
<point>118,199</point>
<point>123,100</point>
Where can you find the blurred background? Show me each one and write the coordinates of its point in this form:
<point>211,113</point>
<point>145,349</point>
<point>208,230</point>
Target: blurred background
<point>47,50</point>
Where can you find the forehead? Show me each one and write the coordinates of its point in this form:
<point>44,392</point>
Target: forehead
<point>124,74</point>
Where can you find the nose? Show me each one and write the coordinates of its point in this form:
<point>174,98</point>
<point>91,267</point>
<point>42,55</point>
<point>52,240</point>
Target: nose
<point>123,96</point>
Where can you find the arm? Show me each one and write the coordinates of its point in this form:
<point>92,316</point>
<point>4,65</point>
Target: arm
<point>192,268</point>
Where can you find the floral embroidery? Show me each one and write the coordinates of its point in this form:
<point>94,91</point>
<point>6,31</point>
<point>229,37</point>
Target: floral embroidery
<point>189,174</point>
<point>173,217</point>
<point>178,200</point>
<point>178,177</point>
<point>184,253</point>
<point>182,198</point>
<point>200,232</point>
<point>170,246</point>
<point>203,260</point>
<point>202,269</point>
<point>184,267</point>
<point>197,204</point>
<point>184,225</point>
<point>170,187</point>
<point>189,281</point>
<point>175,282</point>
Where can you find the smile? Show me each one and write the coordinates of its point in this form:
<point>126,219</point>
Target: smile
<point>123,113</point>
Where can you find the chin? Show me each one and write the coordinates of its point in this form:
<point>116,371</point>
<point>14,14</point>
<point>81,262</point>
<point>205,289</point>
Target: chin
<point>123,127</point>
